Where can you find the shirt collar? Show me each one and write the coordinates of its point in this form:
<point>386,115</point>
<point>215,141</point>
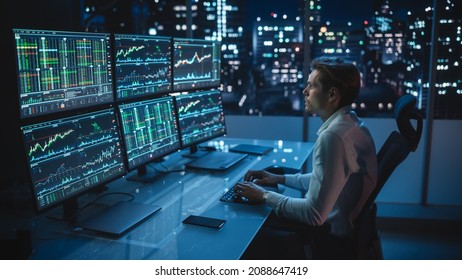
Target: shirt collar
<point>341,111</point>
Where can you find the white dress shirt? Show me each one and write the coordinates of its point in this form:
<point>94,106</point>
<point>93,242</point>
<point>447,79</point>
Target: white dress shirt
<point>344,174</point>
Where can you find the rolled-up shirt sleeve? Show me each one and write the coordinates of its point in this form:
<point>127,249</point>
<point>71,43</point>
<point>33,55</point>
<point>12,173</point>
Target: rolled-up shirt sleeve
<point>322,191</point>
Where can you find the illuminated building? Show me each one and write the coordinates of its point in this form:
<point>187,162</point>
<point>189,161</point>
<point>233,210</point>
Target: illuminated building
<point>448,69</point>
<point>384,54</point>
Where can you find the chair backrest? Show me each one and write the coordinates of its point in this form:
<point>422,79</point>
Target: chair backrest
<point>399,143</point>
<point>393,152</point>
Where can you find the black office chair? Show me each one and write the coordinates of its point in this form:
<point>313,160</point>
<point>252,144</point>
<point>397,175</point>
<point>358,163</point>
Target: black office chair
<point>365,242</point>
<point>393,152</point>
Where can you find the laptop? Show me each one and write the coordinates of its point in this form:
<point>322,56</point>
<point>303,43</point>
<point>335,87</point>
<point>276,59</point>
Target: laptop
<point>251,149</point>
<point>216,161</point>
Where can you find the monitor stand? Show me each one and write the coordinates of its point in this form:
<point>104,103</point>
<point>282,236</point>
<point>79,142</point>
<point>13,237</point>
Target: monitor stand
<point>194,152</point>
<point>69,209</point>
<point>142,175</point>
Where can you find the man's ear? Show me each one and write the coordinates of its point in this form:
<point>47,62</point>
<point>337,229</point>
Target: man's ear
<point>334,94</point>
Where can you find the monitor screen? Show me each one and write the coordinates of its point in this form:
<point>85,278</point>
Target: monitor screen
<point>196,64</point>
<point>69,156</point>
<point>200,116</point>
<point>60,71</point>
<point>149,130</point>
<point>142,65</point>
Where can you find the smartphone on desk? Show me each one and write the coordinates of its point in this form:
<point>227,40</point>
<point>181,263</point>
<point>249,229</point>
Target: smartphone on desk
<point>204,221</point>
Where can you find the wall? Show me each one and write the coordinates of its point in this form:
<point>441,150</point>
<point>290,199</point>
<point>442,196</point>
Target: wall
<point>271,127</point>
<point>445,178</point>
<point>404,187</point>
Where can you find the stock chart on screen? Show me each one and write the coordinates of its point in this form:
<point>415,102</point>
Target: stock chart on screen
<point>201,116</point>
<point>142,65</point>
<point>60,71</point>
<point>149,129</point>
<point>196,64</point>
<point>70,155</point>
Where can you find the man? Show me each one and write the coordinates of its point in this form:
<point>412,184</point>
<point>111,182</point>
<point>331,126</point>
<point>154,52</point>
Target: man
<point>344,157</point>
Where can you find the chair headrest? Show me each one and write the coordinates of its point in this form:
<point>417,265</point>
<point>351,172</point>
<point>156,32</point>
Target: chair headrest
<point>404,112</point>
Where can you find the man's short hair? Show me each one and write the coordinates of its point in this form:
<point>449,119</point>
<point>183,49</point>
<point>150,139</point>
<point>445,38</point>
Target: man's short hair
<point>337,72</point>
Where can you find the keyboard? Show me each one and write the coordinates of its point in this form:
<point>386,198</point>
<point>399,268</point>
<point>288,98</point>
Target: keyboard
<point>231,197</point>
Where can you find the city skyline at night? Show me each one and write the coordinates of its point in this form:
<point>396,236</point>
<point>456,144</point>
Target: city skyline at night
<point>262,69</point>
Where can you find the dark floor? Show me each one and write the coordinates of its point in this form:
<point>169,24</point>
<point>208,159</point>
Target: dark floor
<point>410,239</point>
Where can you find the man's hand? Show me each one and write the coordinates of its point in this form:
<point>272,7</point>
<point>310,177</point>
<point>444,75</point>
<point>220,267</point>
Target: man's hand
<point>264,178</point>
<point>251,191</point>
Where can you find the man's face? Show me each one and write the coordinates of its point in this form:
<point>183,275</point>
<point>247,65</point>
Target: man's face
<point>315,96</point>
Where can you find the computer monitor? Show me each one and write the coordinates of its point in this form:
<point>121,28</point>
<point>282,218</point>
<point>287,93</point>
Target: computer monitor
<point>200,117</point>
<point>60,71</point>
<point>69,156</point>
<point>143,65</point>
<point>196,64</point>
<point>150,132</point>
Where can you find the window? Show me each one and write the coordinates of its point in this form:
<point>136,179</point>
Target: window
<point>264,52</point>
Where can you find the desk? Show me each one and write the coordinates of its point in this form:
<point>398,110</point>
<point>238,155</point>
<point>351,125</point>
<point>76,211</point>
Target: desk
<point>163,236</point>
